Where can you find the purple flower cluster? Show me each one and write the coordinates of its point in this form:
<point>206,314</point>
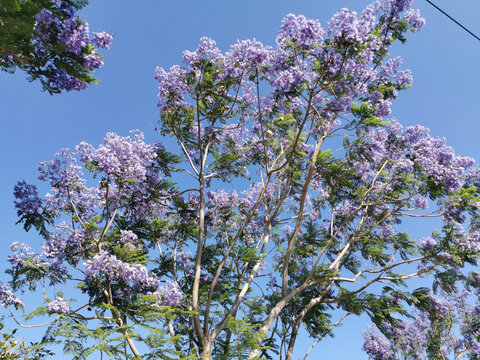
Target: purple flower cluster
<point>376,345</point>
<point>103,39</point>
<point>172,87</point>
<point>168,295</point>
<point>62,80</point>
<point>64,244</point>
<point>442,307</point>
<point>346,26</point>
<point>300,31</point>
<point>128,237</point>
<point>391,70</point>
<point>415,20</point>
<point>67,183</point>
<point>220,199</point>
<point>395,7</point>
<point>184,259</point>
<point>411,337</point>
<point>61,171</point>
<point>246,56</point>
<point>59,306</point>
<point>451,320</point>
<point>7,297</point>
<point>427,243</point>
<point>121,158</point>
<point>206,49</point>
<point>75,34</point>
<point>60,26</point>
<point>421,202</point>
<point>27,199</point>
<point>117,270</point>
<point>437,159</point>
<point>24,257</point>
<point>409,149</point>
<point>306,57</point>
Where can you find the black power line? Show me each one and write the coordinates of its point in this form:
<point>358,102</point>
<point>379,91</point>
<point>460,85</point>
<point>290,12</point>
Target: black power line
<point>455,21</point>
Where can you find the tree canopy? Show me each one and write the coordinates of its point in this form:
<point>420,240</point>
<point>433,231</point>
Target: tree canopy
<point>281,209</point>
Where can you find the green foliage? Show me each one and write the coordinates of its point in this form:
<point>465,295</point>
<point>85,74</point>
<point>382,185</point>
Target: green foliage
<point>13,349</point>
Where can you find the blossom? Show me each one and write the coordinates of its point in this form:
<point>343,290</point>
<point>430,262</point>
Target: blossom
<point>169,295</point>
<point>172,86</point>
<point>93,61</point>
<point>376,345</point>
<point>59,306</point>
<point>299,30</point>
<point>27,199</point>
<point>421,202</point>
<point>7,297</point>
<point>102,39</point>
<point>441,306</point>
<point>131,273</point>
<point>415,19</point>
<point>60,26</point>
<point>395,7</point>
<point>247,55</point>
<point>128,237</point>
<point>427,243</point>
<point>121,158</point>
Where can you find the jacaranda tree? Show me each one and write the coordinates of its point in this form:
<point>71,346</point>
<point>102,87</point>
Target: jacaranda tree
<point>279,212</point>
<point>50,42</point>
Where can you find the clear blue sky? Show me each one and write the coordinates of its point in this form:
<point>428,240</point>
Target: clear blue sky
<point>33,125</point>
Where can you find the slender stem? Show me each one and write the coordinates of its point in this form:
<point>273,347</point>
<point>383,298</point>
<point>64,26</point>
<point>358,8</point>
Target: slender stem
<point>201,233</point>
<point>321,337</point>
<point>29,326</point>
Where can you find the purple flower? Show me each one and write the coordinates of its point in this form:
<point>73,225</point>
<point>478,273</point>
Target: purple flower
<point>93,61</point>
<point>62,80</point>
<point>59,306</point>
<point>475,350</point>
<point>103,39</point>
<point>221,199</point>
<point>441,307</point>
<point>117,270</point>
<point>387,230</point>
<point>184,259</point>
<point>64,244</point>
<point>421,202</point>
<point>172,87</point>
<point>170,294</point>
<point>206,49</point>
<point>46,24</point>
<point>27,200</point>
<point>45,17</point>
<point>74,34</point>
<point>7,297</point>
<point>427,243</point>
<point>121,158</point>
<point>415,20</point>
<point>376,345</point>
<point>128,237</point>
<point>247,55</point>
<point>395,7</point>
<point>299,30</point>
<point>24,258</point>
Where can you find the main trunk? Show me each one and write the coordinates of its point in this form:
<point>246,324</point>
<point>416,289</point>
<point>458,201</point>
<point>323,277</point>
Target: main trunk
<point>206,352</point>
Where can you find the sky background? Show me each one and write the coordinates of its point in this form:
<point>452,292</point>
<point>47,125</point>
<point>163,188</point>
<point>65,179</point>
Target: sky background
<point>34,125</point>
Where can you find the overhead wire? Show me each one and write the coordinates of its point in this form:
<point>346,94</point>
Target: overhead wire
<point>455,21</point>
